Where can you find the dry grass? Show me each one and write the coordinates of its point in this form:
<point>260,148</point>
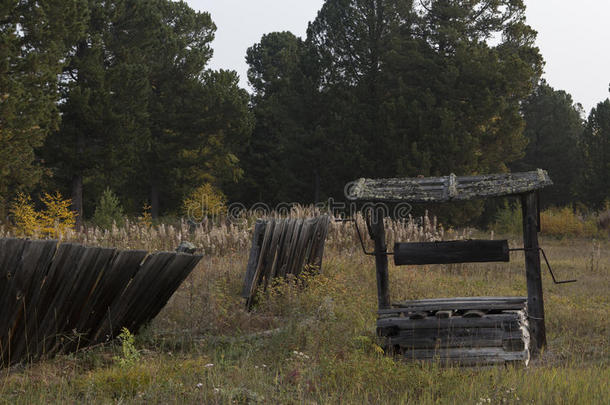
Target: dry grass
<point>313,341</point>
<point>234,236</point>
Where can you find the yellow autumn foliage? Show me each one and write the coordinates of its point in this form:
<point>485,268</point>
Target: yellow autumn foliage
<point>205,201</point>
<point>146,219</point>
<point>53,221</point>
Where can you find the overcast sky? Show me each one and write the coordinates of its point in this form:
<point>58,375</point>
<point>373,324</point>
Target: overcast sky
<point>573,37</point>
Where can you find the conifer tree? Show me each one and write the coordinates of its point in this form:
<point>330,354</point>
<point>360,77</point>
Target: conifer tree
<point>35,38</point>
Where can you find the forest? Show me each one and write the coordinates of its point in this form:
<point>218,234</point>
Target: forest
<point>117,97</point>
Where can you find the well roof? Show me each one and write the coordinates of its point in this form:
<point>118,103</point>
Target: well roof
<point>447,188</point>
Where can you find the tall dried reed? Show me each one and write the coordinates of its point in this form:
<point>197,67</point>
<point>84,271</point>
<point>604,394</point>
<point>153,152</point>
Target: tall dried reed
<point>224,236</point>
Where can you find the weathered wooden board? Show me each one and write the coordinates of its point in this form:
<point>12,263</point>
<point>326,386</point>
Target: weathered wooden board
<point>459,251</point>
<point>448,188</point>
<point>469,357</point>
<point>494,307</point>
<point>282,247</point>
<point>506,321</point>
<point>59,297</point>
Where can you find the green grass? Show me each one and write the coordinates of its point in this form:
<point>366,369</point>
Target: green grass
<point>313,341</point>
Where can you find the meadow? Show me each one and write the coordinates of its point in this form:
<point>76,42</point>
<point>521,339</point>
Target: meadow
<point>312,340</point>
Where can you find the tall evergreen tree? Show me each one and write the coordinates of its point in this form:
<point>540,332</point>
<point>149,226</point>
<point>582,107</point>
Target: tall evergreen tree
<point>553,128</point>
<point>282,160</point>
<point>104,115</point>
<point>35,40</point>
<point>596,150</point>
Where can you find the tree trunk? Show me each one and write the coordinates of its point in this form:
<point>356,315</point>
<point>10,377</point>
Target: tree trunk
<point>77,199</point>
<point>77,182</point>
<point>316,185</point>
<point>154,199</point>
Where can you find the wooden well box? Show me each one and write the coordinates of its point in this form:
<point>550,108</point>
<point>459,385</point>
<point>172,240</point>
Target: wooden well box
<point>467,330</point>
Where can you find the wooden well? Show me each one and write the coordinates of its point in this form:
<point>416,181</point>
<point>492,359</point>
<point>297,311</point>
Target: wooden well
<point>475,330</point>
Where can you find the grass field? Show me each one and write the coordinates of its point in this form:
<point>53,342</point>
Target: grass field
<point>313,341</point>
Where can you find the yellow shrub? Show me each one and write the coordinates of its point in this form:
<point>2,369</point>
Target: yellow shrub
<point>206,201</point>
<point>24,215</point>
<point>564,222</point>
<point>146,218</point>
<point>57,217</point>
<point>53,221</point>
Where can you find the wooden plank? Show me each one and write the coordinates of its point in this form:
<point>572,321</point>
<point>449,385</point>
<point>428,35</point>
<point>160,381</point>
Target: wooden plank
<point>296,234</point>
<point>138,294</point>
<point>115,279</point>
<point>178,270</point>
<point>54,283</point>
<point>82,295</point>
<point>307,247</point>
<point>448,188</point>
<point>17,275</point>
<point>321,232</point>
<point>459,353</point>
<point>91,311</point>
<point>273,252</point>
<point>467,251</point>
<point>10,256</point>
<point>454,342</point>
<point>255,250</point>
<point>261,262</point>
<point>512,340</point>
<point>282,245</point>
<point>455,306</point>
<point>82,292</point>
<point>77,306</point>
<point>53,325</point>
<point>462,299</point>
<point>289,242</point>
<point>500,320</point>
<point>462,356</point>
<point>381,259</point>
<point>35,262</point>
<point>300,253</point>
<point>450,333</point>
<point>535,302</point>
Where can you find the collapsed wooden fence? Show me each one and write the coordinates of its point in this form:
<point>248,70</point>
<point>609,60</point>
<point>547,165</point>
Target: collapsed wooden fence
<point>281,247</point>
<point>58,297</point>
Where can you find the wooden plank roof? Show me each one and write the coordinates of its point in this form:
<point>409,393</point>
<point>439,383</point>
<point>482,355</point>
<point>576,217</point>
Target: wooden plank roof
<point>447,188</point>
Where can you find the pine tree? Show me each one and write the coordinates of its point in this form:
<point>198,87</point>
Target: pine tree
<point>553,128</point>
<point>595,187</point>
<point>36,38</point>
<point>282,160</point>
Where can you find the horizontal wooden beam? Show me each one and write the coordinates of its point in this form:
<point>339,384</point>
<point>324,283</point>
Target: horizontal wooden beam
<point>505,321</point>
<point>466,251</point>
<point>448,188</point>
